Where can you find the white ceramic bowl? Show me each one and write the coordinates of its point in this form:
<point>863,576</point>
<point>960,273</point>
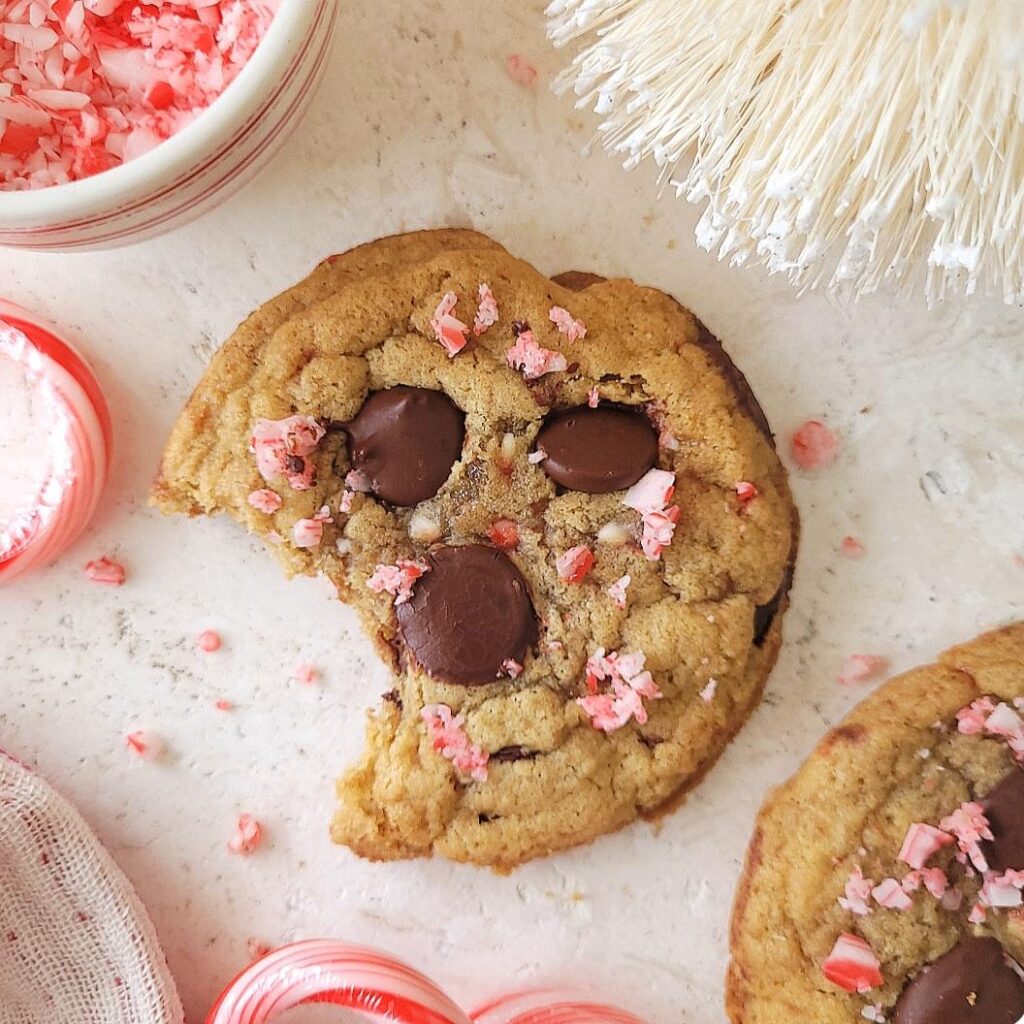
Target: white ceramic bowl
<point>178,179</point>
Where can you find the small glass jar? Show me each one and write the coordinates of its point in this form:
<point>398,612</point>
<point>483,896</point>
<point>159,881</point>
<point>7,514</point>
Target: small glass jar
<point>57,445</point>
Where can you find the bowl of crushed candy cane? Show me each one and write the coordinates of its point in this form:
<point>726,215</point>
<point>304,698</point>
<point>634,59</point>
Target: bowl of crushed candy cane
<point>121,119</point>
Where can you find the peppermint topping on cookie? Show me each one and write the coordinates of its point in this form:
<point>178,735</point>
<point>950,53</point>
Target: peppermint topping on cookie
<point>265,501</point>
<point>574,330</point>
<point>533,361</point>
<point>814,445</point>
<point>575,563</point>
<point>745,493</point>
<point>921,843</point>
<point>611,709</point>
<point>597,451</point>
<point>649,496</point>
<point>858,894</point>
<point>511,668</point>
<point>593,397</point>
<point>658,415</point>
<point>448,737</point>
<point>103,570</point>
<point>397,580</point>
<point>617,591</point>
<point>889,894</point>
<point>862,668</point>
<point>308,533</point>
<point>969,826</point>
<point>852,965</point>
<point>358,482</point>
<point>448,329</point>
<point>708,691</point>
<point>282,449</point>
<point>487,310</point>
<point>504,534</point>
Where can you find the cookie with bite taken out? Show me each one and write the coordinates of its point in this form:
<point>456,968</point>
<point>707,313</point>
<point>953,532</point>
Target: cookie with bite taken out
<point>555,505</point>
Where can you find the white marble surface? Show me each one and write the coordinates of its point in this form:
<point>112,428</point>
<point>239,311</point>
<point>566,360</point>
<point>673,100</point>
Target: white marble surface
<point>418,125</point>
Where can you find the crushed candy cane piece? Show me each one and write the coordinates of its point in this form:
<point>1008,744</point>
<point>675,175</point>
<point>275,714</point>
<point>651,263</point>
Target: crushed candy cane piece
<point>575,563</point>
<point>345,504</point>
<point>448,329</point>
<point>511,668</point>
<point>533,361</point>
<point>617,591</point>
<point>282,449</point>
<point>536,457</point>
<point>745,493</point>
<point>969,826</point>
<point>814,445</point>
<point>652,492</point>
<point>486,311</point>
<point>358,481</point>
<point>852,965</point>
<point>248,835</point>
<point>933,879</point>
<point>861,668</point>
<point>265,501</point>
<point>889,894</point>
<point>659,528</point>
<point>448,736</point>
<point>504,534</point>
<point>858,894</point>
<point>658,416</point>
<point>1007,724</point>
<point>977,914</point>
<point>397,580</point>
<point>921,843</point>
<point>850,547</point>
<point>521,71</point>
<point>574,330</point>
<point>972,719</point>
<point>305,672</point>
<point>223,704</point>
<point>144,744</point>
<point>593,397</point>
<point>1002,892</point>
<point>308,533</point>
<point>209,641</point>
<point>105,571</point>
<point>611,710</point>
<point>90,84</point>
<point>707,693</point>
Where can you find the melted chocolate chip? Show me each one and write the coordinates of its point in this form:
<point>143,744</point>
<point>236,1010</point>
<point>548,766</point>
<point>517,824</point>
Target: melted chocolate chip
<point>1004,807</point>
<point>468,615</point>
<point>406,440</point>
<point>508,754</point>
<point>598,450</point>
<point>393,697</point>
<point>971,984</point>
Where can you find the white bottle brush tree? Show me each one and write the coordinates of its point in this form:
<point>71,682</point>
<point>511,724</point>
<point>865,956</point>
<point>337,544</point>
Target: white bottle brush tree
<point>845,143</point>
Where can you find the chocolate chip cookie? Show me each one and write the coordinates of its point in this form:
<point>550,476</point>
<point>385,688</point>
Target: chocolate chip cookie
<point>884,881</point>
<point>555,505</point>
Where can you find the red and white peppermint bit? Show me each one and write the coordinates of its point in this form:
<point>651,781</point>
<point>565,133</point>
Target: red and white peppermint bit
<point>617,591</point>
<point>511,668</point>
<point>977,914</point>
<point>933,879</point>
<point>707,693</point>
<point>356,480</point>
<point>448,737</point>
<point>850,547</point>
<point>889,894</point>
<point>282,449</point>
<point>248,835</point>
<point>658,416</point>
<point>397,580</point>
<point>90,85</point>
<point>504,534</point>
<point>921,843</point>
<point>448,329</point>
<point>852,965</point>
<point>612,709</point>
<point>105,571</point>
<point>814,445</point>
<point>659,528</point>
<point>345,504</point>
<point>593,397</point>
<point>861,668</point>
<point>486,310</point>
<point>1007,724</point>
<point>972,719</point>
<point>745,493</point>
<point>1002,892</point>
<point>533,361</point>
<point>574,565</point>
<point>209,641</point>
<point>305,672</point>
<point>520,70</point>
<point>536,457</point>
<point>146,745</point>
<point>266,501</point>
<point>308,533</point>
<point>652,492</point>
<point>858,894</point>
<point>574,330</point>
<point>969,825</point>
<point>223,704</point>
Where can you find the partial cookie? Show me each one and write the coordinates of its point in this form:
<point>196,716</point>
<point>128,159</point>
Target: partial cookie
<point>573,644</point>
<point>884,881</point>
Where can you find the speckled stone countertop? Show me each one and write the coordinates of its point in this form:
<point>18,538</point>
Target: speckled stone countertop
<point>419,125</point>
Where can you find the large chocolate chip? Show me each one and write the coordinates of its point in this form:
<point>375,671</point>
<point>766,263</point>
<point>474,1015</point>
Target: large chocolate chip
<point>971,984</point>
<point>468,615</point>
<point>1004,807</point>
<point>406,441</point>
<point>598,450</point>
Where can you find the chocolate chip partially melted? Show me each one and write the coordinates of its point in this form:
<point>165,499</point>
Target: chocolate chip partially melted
<point>406,441</point>
<point>1004,808</point>
<point>468,615</point>
<point>971,984</point>
<point>598,450</point>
